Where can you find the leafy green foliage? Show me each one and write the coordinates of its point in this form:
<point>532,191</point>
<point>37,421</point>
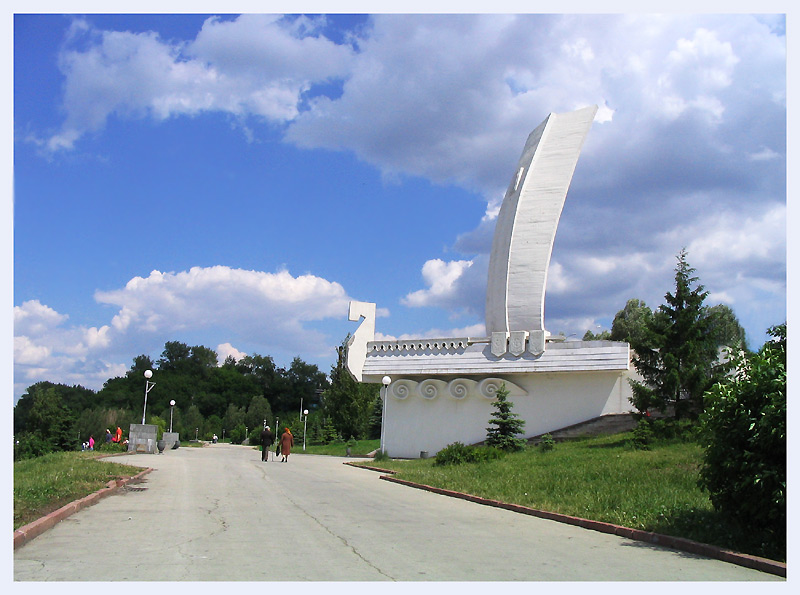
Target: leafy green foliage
<point>348,403</point>
<point>209,399</point>
<point>505,426</point>
<point>630,324</point>
<point>458,453</point>
<point>45,424</point>
<point>744,431</point>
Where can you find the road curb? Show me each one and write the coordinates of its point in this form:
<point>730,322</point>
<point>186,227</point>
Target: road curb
<point>677,543</point>
<point>27,532</point>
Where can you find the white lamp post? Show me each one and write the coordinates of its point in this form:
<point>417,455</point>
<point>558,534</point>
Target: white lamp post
<point>305,425</point>
<point>171,407</point>
<point>386,381</point>
<point>148,374</point>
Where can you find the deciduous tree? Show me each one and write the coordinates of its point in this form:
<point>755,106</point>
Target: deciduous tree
<point>744,431</point>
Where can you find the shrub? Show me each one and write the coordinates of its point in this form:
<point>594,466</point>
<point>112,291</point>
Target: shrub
<point>457,453</point>
<point>642,435</point>
<point>547,443</point>
<point>744,431</point>
<point>381,455</point>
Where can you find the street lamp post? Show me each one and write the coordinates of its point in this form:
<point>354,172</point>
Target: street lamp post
<point>148,374</point>
<point>171,407</point>
<point>386,381</point>
<point>305,425</point>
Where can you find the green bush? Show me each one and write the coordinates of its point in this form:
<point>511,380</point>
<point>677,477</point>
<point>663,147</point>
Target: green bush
<point>382,455</point>
<point>457,453</point>
<point>744,432</point>
<point>642,435</point>
<point>547,443</point>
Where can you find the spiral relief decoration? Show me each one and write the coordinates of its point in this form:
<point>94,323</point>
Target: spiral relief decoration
<point>431,388</point>
<point>488,387</point>
<point>400,389</point>
<point>461,387</point>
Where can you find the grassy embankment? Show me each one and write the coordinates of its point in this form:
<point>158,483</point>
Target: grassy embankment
<point>603,479</point>
<point>47,483</point>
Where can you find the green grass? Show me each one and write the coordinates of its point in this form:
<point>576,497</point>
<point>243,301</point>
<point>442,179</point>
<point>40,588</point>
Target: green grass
<point>47,483</point>
<point>602,479</point>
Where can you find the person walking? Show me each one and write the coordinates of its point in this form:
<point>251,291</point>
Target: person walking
<point>287,442</point>
<point>267,438</point>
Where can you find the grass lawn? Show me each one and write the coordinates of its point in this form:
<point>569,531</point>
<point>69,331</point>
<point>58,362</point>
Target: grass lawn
<point>602,479</point>
<point>47,483</point>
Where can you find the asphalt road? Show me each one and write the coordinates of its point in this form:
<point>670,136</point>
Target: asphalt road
<point>220,514</point>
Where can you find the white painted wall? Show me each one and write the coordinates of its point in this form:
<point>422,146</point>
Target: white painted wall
<point>554,401</point>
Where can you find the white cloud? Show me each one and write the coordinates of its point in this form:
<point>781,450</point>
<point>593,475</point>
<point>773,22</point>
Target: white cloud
<point>34,317</point>
<point>266,309</point>
<point>225,350</point>
<point>442,278</point>
<point>256,65</point>
<point>248,302</point>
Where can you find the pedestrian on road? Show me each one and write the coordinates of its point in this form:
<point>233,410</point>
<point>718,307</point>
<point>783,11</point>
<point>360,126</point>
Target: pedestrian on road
<point>267,438</point>
<point>287,442</point>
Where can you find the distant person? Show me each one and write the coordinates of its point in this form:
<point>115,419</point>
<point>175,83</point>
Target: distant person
<point>119,435</point>
<point>267,438</point>
<point>287,442</point>
<point>109,437</point>
<point>91,442</point>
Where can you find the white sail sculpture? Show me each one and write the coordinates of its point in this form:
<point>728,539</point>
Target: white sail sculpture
<point>440,390</point>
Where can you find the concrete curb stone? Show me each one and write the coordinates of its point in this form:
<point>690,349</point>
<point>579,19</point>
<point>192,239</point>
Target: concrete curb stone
<point>677,543</point>
<point>27,532</point>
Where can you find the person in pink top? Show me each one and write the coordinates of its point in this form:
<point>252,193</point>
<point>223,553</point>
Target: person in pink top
<point>91,442</point>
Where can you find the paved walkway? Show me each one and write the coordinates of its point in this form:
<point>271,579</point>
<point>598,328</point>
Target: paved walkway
<point>220,514</point>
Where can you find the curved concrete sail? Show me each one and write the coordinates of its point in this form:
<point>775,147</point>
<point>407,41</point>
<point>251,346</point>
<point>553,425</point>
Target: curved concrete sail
<point>526,226</point>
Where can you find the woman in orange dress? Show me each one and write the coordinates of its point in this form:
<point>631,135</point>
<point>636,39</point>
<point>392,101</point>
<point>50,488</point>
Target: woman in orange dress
<point>287,442</point>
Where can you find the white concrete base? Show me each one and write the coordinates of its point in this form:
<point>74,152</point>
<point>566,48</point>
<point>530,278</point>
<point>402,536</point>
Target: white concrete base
<point>553,401</point>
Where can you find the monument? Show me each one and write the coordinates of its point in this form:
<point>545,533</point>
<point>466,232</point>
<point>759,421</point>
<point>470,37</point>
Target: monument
<point>438,391</point>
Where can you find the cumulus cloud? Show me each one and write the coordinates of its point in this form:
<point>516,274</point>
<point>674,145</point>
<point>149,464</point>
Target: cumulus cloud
<point>252,304</point>
<point>267,309</point>
<point>225,350</point>
<point>254,65</point>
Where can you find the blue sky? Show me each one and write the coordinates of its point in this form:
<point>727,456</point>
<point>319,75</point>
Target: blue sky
<point>233,181</point>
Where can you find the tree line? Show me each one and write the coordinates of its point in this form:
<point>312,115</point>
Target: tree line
<point>232,401</point>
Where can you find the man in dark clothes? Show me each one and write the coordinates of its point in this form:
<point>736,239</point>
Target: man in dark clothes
<point>267,438</point>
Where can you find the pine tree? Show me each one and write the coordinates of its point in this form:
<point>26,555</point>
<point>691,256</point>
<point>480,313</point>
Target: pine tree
<point>677,356</point>
<point>506,425</point>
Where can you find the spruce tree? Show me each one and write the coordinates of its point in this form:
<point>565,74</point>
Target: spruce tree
<point>677,356</point>
<point>504,425</point>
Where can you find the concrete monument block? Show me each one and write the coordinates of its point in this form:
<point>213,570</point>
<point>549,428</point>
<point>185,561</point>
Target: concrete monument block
<point>142,438</point>
<point>527,222</point>
<point>439,391</point>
